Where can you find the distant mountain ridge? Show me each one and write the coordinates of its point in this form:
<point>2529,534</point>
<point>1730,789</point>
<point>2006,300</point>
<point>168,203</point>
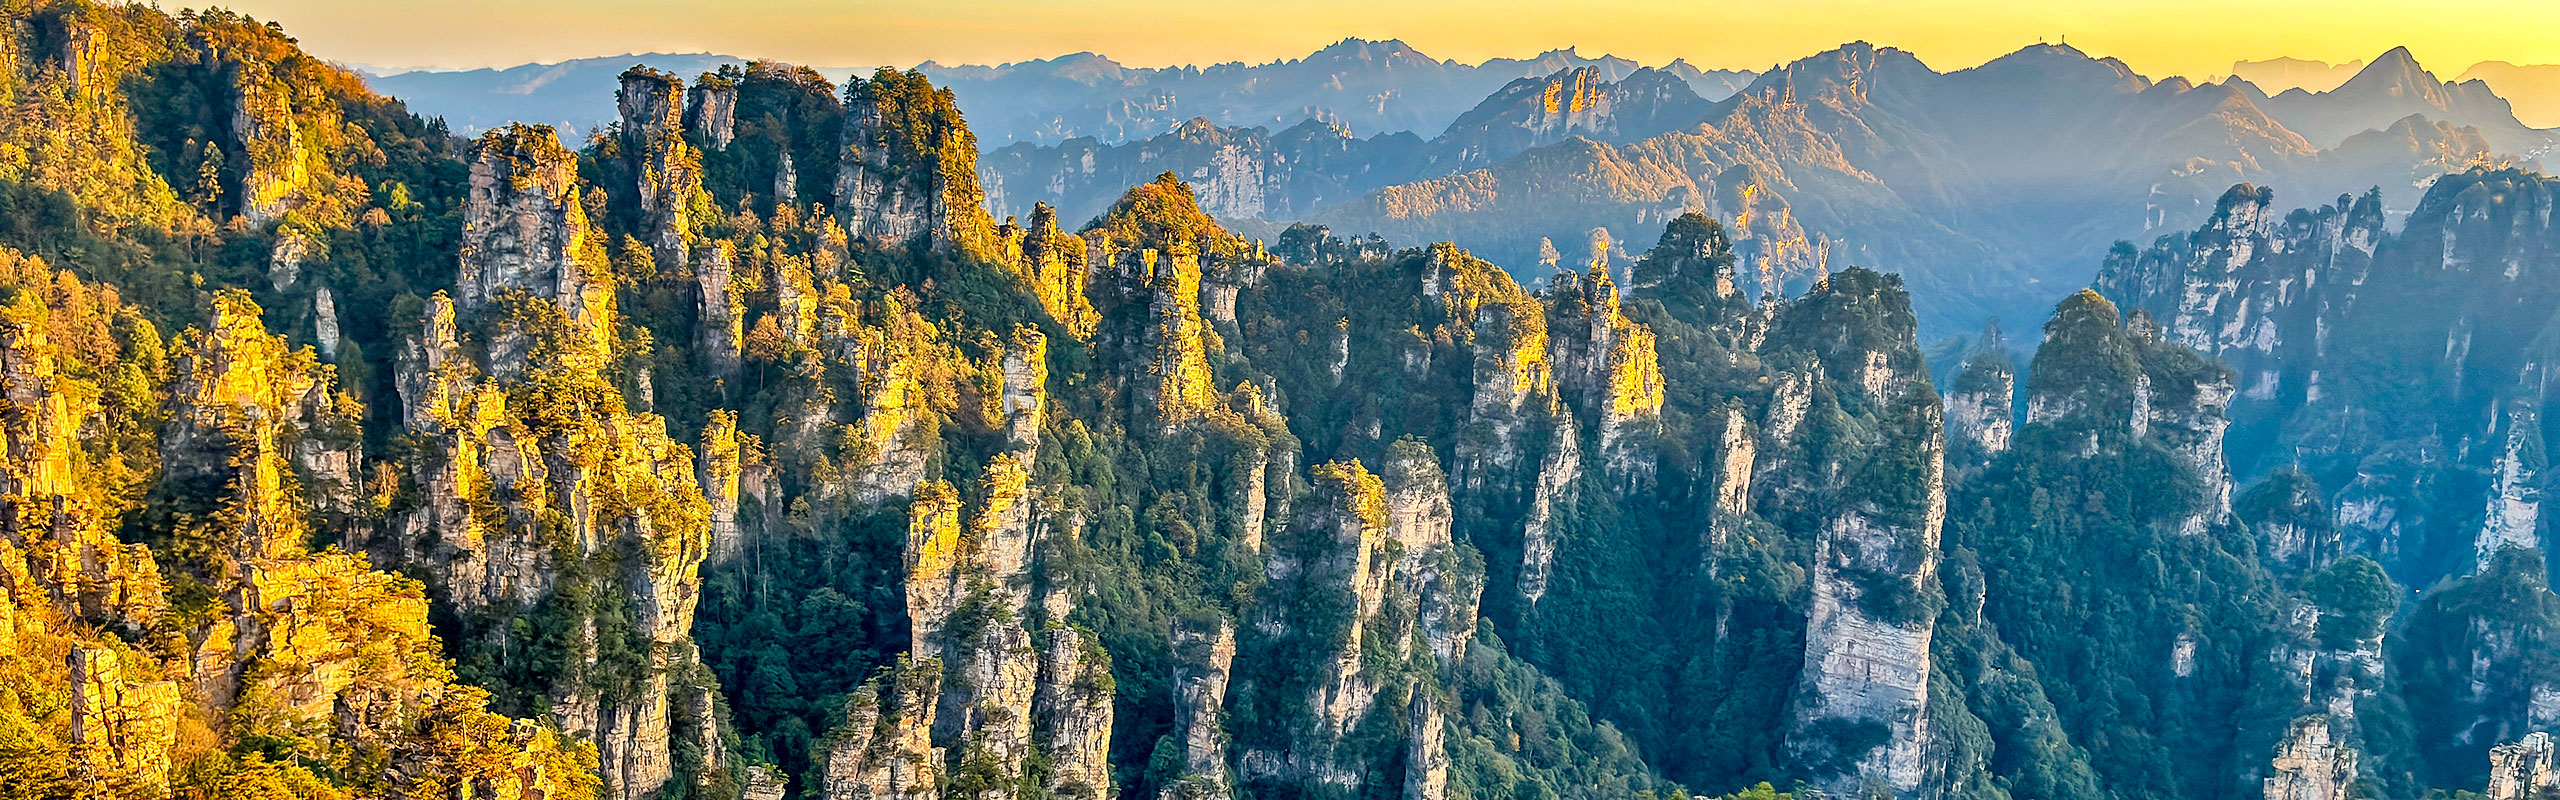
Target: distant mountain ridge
<point>1257,173</point>
<point>574,96</point>
<point>1949,177</point>
<point>2393,86</point>
<point>1370,87</point>
<point>2285,72</point>
<point>2533,88</point>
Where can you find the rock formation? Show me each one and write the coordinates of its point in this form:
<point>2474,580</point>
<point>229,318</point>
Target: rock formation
<point>1205,652</point>
<point>909,168</point>
<point>513,512</point>
<point>1982,404</point>
<point>308,651</point>
<point>884,747</point>
<point>2521,769</point>
<point>2308,766</point>
<point>1382,545</point>
<point>525,229</point>
<point>666,168</point>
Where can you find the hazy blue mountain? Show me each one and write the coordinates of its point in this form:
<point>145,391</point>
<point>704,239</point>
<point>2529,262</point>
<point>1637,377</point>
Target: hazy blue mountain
<point>1982,186</point>
<point>1368,87</point>
<point>574,96</point>
<point>2395,86</point>
<point>2533,88</point>
<point>2285,72</point>
<point>1246,173</point>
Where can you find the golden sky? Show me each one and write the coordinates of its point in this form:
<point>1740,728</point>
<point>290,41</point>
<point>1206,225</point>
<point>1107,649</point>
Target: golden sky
<point>2197,38</point>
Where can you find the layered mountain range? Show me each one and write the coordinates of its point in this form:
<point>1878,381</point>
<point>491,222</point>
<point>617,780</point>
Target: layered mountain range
<point>1980,185</point>
<point>1373,87</point>
<point>740,452</point>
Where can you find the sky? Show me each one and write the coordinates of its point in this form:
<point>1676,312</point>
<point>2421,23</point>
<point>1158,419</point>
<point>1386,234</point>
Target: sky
<point>2196,38</point>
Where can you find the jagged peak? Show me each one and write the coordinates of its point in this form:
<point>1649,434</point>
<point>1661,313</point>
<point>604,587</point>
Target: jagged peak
<point>1199,128</point>
<point>2243,198</point>
<point>2059,65</point>
<point>1853,64</point>
<point>2084,322</point>
<point>1312,127</point>
<point>1990,342</point>
<point>2394,70</point>
<point>1388,52</point>
<point>1164,214</point>
<point>1693,247</point>
<point>2398,57</point>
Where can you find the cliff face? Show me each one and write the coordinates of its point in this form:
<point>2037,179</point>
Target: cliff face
<point>285,127</point>
<point>2324,313</point>
<point>531,497</point>
<point>667,168</point>
<point>1577,102</point>
<point>2521,768</point>
<point>1157,255</point>
<point>2308,307</point>
<point>1870,618</point>
<point>525,228</point>
<point>909,167</point>
<point>309,650</point>
<point>1380,549</point>
<point>1606,363</point>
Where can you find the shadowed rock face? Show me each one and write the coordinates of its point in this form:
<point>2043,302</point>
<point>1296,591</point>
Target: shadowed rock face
<point>2305,306</point>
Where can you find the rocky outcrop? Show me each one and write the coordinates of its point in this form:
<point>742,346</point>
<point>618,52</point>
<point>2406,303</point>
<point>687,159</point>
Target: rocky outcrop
<point>1204,655</point>
<point>714,114</point>
<point>1861,715</point>
<point>524,229</point>
<point>2296,530</point>
<point>666,168</point>
<point>297,161</point>
<point>1339,550</point>
<point>122,732</point>
<point>2117,381</point>
<point>1053,263</point>
<point>516,494</point>
<point>309,652</point>
<point>1382,545</point>
<point>1016,682</point>
<point>1558,485</point>
<point>884,749</point>
<point>721,317</point>
<point>908,172</point>
<point>2309,765</point>
<point>1513,388</point>
<point>2317,309</point>
<point>1426,751</point>
<point>1606,363</point>
<point>2515,490</point>
<point>764,783</point>
<point>1866,664</point>
<point>2522,769</point>
<point>1072,713</point>
<point>1151,257</point>
<point>1981,405</point>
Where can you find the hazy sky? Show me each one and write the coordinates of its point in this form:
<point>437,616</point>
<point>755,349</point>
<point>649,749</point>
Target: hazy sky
<point>2160,37</point>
